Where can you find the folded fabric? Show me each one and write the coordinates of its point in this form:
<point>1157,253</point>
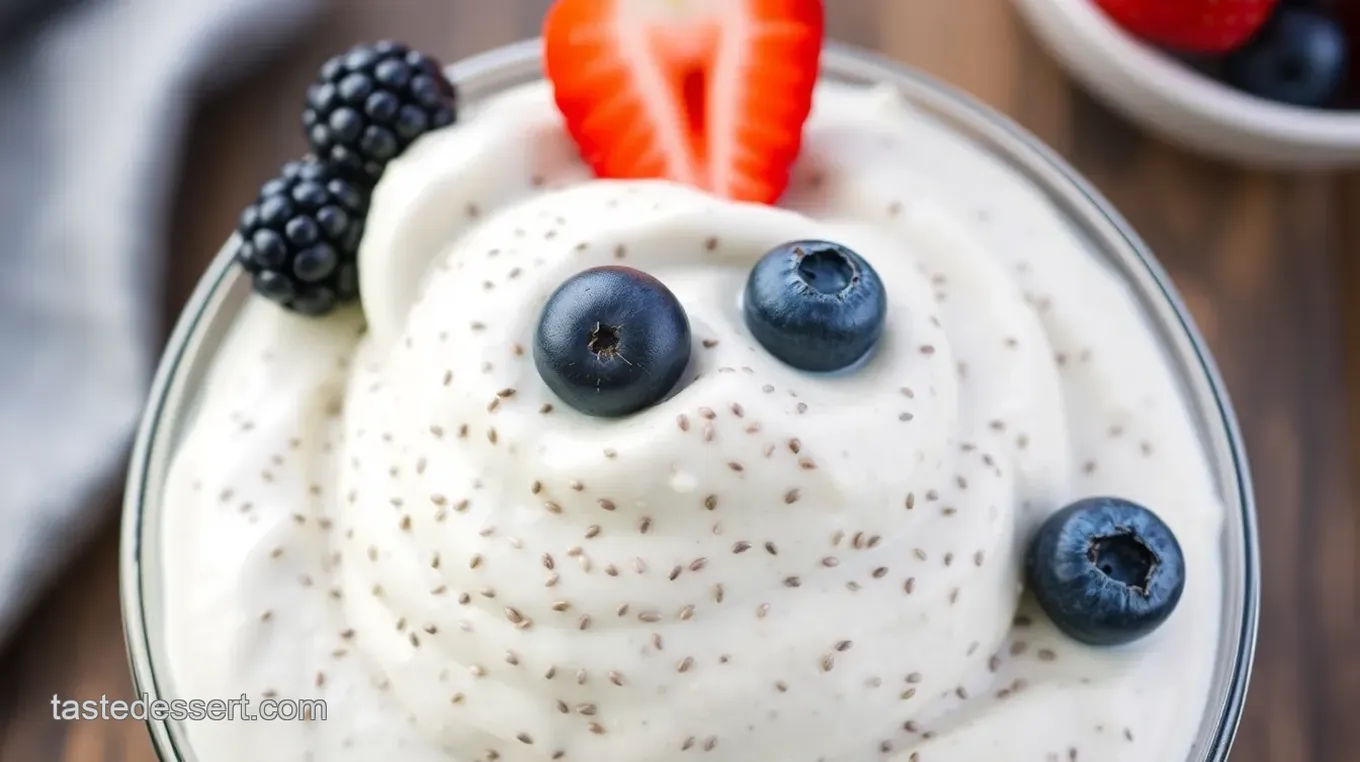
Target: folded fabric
<point>92,105</point>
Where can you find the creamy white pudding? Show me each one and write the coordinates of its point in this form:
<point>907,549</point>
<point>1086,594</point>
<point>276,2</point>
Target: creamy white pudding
<point>391,511</point>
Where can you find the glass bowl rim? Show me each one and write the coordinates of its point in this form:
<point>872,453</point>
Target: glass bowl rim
<point>1042,166</point>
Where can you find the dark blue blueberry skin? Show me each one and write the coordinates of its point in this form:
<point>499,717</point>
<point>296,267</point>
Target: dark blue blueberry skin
<point>1105,570</point>
<point>815,305</point>
<point>1300,58</point>
<point>612,341</point>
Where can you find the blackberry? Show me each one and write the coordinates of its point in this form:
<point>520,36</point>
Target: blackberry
<point>300,238</point>
<point>370,103</point>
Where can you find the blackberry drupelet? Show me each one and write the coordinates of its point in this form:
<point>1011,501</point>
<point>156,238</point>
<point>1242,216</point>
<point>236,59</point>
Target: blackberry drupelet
<point>370,103</point>
<point>300,238</point>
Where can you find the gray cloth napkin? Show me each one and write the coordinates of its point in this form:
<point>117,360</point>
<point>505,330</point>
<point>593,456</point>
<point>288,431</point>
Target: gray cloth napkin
<point>92,105</point>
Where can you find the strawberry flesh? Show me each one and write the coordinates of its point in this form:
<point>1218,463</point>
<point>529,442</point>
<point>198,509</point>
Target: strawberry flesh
<point>712,93</point>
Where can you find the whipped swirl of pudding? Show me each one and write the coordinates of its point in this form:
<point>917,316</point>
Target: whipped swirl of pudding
<point>392,511</point>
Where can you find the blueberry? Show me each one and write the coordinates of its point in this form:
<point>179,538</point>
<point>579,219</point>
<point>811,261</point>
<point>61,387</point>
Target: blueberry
<point>815,305</point>
<point>612,341</point>
<point>1299,58</point>
<point>1106,571</point>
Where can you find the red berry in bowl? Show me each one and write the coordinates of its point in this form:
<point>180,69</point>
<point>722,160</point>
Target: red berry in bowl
<point>1191,26</point>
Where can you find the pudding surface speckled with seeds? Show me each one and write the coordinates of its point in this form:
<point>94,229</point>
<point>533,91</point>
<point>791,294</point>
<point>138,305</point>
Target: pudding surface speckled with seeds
<point>392,512</point>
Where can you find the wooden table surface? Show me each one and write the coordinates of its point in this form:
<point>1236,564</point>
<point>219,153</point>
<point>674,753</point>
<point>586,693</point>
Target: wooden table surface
<point>1266,262</point>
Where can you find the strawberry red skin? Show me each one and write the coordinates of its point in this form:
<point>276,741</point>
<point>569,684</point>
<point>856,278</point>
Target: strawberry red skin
<point>1192,26</point>
<point>643,98</point>
<point>616,136</point>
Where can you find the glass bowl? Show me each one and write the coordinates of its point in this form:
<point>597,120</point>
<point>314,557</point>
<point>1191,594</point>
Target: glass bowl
<point>219,295</point>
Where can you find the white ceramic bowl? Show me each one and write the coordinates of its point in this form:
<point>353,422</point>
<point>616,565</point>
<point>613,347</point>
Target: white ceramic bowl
<point>1183,105</point>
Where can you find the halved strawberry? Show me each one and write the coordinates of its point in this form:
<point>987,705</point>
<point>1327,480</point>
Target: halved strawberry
<point>712,93</point>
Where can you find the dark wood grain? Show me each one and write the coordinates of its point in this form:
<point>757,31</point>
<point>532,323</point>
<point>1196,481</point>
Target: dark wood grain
<point>1266,262</point>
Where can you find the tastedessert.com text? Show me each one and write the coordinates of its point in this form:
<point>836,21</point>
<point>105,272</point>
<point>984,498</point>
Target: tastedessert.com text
<point>145,708</point>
